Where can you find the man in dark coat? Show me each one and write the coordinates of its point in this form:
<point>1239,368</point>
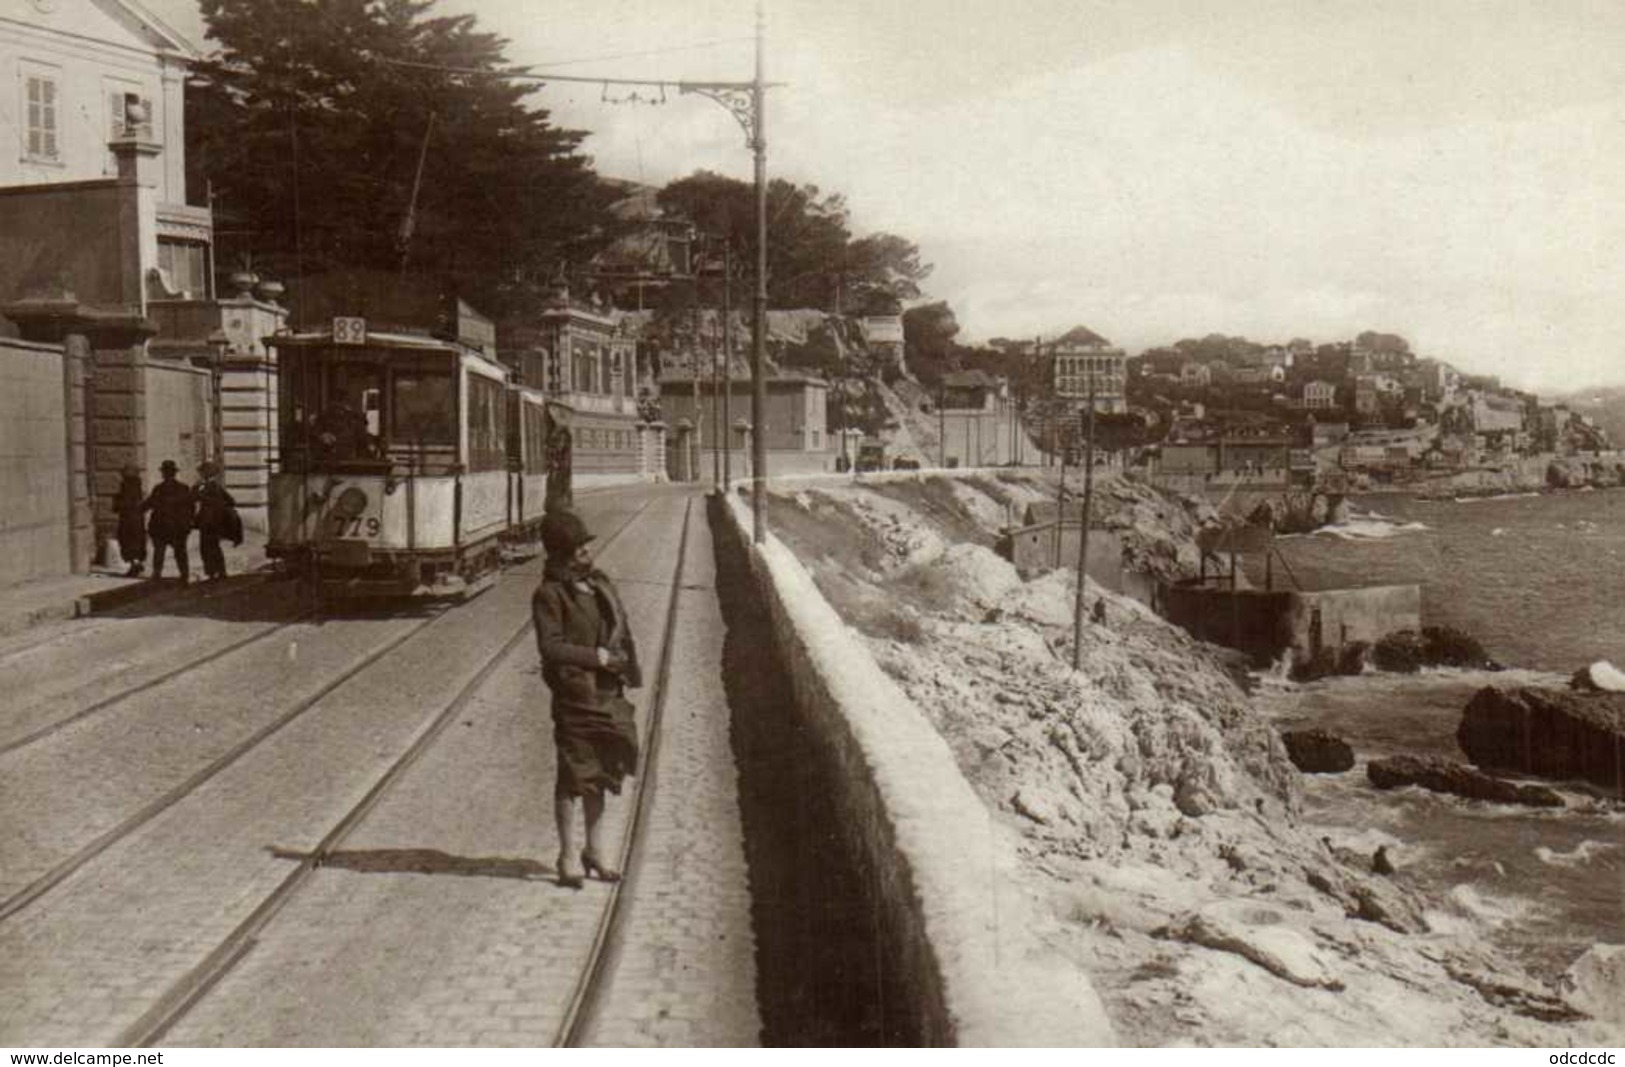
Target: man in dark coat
<point>216,519</point>
<point>132,534</point>
<point>588,661</point>
<point>173,512</point>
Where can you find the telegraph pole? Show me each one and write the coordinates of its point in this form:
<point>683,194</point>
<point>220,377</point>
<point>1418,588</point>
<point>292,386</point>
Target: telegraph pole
<point>1083,532</point>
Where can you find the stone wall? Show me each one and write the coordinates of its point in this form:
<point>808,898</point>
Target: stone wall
<point>35,451</point>
<point>180,418</point>
<point>957,940</point>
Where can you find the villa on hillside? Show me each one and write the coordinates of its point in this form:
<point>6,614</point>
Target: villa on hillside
<point>1082,362</point>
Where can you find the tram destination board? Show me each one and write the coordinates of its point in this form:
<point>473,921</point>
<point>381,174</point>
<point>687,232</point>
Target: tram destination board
<point>349,330</point>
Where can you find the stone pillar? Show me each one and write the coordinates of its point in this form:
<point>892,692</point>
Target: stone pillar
<point>111,347</point>
<point>118,427</point>
<point>248,400</point>
<point>82,547</point>
<point>652,451</point>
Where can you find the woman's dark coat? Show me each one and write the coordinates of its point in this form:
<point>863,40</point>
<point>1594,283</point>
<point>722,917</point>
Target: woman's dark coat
<point>132,534</point>
<point>592,722</point>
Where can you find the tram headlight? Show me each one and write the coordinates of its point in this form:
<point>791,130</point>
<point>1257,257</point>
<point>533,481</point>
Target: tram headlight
<point>351,503</point>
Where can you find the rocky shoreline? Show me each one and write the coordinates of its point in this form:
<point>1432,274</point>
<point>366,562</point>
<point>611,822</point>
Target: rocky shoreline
<point>1157,808</point>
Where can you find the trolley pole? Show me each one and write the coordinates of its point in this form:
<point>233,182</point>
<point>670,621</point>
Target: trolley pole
<point>1083,532</point>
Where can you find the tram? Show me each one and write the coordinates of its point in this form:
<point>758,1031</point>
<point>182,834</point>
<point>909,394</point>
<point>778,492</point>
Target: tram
<point>407,464</point>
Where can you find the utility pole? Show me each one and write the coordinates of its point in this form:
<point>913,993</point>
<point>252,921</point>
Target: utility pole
<point>1083,532</point>
<point>747,103</point>
<point>758,354</point>
<point>727,365</point>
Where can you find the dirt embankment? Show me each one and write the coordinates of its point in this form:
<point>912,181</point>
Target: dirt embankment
<point>1157,810</point>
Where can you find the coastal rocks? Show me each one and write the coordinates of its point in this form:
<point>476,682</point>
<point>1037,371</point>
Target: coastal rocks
<point>1553,733</point>
<point>1407,651</point>
<point>1260,933</point>
<point>1346,660</point>
<point>1445,776</point>
<point>1317,752</point>
<point>1595,983</point>
<point>1600,677</point>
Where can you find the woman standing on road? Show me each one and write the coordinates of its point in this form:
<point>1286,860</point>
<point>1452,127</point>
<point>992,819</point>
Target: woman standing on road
<point>588,661</point>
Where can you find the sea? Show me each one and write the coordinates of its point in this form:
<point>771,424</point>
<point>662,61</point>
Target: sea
<point>1539,579</point>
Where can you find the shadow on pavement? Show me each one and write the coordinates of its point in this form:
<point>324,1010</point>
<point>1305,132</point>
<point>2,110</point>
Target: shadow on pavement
<point>424,861</point>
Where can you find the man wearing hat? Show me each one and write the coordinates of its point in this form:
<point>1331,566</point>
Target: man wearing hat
<point>172,510</point>
<point>216,518</point>
<point>588,661</point>
<point>132,533</point>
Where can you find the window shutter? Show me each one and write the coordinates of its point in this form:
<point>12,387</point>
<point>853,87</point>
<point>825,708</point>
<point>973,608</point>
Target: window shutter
<point>48,97</point>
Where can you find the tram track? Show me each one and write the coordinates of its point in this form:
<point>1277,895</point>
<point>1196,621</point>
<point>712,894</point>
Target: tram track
<point>585,996</point>
<point>181,996</point>
<point>66,867</point>
<point>58,725</point>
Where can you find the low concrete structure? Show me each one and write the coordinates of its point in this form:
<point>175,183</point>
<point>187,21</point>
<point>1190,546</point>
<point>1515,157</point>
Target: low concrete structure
<point>1267,624</point>
<point>956,936</point>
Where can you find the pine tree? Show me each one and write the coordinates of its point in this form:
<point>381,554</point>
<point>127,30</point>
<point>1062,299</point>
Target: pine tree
<point>308,123</point>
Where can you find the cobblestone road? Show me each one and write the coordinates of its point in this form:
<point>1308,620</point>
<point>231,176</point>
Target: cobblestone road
<point>437,921</point>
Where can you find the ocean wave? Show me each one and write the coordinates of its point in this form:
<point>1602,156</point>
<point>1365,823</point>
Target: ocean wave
<point>1581,853</point>
<point>1497,496</point>
<point>1490,911</point>
<point>1371,529</point>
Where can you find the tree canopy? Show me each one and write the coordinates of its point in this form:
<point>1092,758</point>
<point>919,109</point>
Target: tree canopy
<point>812,258</point>
<point>310,120</point>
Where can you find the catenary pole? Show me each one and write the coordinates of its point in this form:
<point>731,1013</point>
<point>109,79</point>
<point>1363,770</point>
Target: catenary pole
<point>758,354</point>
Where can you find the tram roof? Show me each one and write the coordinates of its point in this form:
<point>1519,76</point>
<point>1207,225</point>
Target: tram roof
<point>377,339</point>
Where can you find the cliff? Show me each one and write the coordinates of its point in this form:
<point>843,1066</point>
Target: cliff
<point>1158,816</point>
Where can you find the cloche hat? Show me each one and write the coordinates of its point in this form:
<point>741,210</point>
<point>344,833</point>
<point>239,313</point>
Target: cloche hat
<point>563,532</point>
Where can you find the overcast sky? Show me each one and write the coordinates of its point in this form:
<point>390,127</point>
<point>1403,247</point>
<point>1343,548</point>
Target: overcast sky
<point>1451,171</point>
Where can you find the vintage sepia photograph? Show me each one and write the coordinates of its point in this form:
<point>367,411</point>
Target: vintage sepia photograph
<point>806,523</point>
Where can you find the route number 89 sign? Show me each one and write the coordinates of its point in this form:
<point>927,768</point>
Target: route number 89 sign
<point>349,331</point>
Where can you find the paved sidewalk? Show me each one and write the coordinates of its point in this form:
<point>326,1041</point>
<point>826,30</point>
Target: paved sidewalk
<point>685,970</point>
<point>69,596</point>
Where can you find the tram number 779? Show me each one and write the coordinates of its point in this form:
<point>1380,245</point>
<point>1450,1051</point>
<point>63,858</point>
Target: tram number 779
<point>345,526</point>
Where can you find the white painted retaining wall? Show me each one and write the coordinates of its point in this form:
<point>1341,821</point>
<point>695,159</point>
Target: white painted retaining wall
<point>945,873</point>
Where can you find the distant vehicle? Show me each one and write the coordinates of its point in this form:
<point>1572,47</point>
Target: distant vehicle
<point>905,463</point>
<point>871,456</point>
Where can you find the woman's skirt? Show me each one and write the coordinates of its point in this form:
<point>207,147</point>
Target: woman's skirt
<point>597,747</point>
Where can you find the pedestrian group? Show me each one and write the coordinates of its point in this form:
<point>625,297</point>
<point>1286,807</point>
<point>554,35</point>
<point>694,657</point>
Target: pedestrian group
<point>176,510</point>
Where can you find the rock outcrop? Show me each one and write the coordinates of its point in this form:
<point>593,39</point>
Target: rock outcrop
<point>1447,776</point>
<point>1317,752</point>
<point>1553,733</point>
<point>1600,677</point>
<point>1407,651</point>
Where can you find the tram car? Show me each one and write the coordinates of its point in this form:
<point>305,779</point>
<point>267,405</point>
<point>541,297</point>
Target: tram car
<point>408,465</point>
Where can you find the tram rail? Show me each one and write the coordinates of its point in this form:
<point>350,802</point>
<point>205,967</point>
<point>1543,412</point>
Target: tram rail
<point>179,999</point>
<point>64,868</point>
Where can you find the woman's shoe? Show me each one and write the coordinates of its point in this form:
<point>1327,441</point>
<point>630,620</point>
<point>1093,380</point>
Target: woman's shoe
<point>590,864</point>
<point>567,878</point>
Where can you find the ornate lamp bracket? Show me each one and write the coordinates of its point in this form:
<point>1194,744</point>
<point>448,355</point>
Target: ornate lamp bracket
<point>737,99</point>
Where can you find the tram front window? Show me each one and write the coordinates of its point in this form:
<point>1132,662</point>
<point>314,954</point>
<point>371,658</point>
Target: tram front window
<point>348,425</point>
<point>422,409</point>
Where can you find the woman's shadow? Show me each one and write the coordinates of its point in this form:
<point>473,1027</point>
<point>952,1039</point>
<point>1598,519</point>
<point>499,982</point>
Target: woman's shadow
<point>423,861</point>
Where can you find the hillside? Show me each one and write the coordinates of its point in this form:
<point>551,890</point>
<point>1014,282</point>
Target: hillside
<point>1159,818</point>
